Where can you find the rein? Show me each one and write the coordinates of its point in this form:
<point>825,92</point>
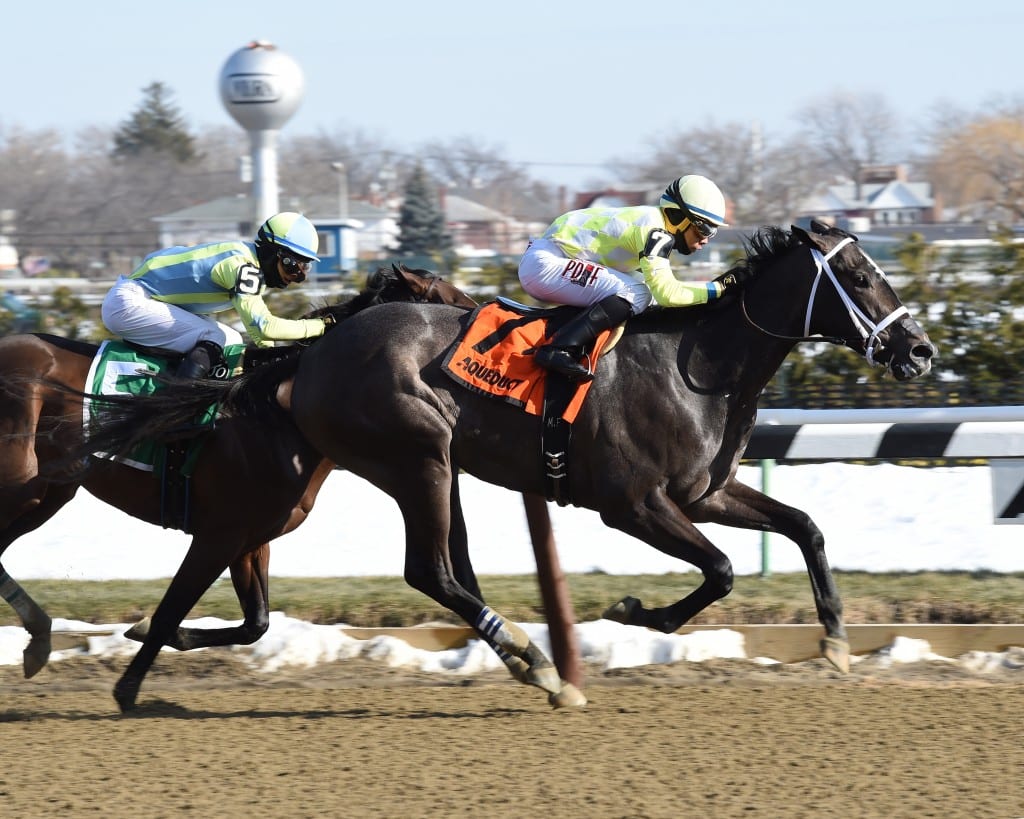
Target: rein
<point>861,322</point>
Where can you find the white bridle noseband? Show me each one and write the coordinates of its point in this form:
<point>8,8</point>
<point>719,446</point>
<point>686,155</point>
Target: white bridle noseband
<point>860,320</point>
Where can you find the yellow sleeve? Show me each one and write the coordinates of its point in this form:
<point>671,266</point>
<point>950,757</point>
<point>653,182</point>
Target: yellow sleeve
<point>265,328</point>
<point>668,291</point>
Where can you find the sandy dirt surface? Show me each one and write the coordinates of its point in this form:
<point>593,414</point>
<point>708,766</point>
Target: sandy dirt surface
<point>725,738</point>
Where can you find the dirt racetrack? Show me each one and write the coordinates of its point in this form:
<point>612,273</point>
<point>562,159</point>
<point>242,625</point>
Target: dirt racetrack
<point>725,738</point>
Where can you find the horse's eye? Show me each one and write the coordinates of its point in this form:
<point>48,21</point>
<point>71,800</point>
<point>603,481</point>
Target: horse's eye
<point>861,279</point>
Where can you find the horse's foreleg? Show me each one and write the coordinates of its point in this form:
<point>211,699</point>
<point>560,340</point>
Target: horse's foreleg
<point>249,574</point>
<point>741,506</point>
<point>658,521</point>
<point>202,565</point>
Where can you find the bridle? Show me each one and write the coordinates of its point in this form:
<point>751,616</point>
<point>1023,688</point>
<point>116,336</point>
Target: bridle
<point>868,330</point>
<point>430,289</point>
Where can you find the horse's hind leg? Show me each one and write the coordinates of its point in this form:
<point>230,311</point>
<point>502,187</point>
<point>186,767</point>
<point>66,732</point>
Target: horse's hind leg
<point>36,622</point>
<point>433,516</point>
<point>29,516</point>
<point>458,545</point>
<point>250,576</point>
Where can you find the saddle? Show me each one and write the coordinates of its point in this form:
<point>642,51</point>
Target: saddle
<point>123,368</point>
<point>493,356</point>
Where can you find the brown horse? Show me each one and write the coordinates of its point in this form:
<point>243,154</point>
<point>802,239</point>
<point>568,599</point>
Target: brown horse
<point>655,448</point>
<point>248,488</point>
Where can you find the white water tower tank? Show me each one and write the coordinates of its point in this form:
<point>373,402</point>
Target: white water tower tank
<point>261,88</point>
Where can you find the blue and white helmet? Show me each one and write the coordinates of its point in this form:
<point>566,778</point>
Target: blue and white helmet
<point>290,231</point>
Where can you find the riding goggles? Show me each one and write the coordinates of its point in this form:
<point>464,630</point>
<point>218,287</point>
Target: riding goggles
<point>293,264</point>
<point>704,228</point>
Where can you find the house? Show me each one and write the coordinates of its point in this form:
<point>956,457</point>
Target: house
<point>882,197</point>
<point>368,231</point>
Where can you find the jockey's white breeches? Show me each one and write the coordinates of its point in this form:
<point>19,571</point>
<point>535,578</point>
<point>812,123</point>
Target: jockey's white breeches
<point>549,275</point>
<point>130,312</point>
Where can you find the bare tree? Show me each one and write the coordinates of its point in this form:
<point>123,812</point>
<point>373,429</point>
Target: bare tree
<point>85,208</point>
<point>34,175</point>
<point>762,177</point>
<point>375,169</point>
<point>850,131</point>
<point>482,173</point>
<point>976,163</point>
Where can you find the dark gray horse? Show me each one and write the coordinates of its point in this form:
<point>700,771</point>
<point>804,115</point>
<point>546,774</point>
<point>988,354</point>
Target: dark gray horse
<point>655,449</point>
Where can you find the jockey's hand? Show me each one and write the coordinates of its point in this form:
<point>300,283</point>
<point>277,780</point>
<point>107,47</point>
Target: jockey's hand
<point>731,278</point>
<point>727,280</point>
<point>659,243</point>
<point>329,321</point>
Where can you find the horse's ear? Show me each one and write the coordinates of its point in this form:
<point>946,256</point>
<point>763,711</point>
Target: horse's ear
<point>405,275</point>
<point>812,238</point>
<point>825,229</point>
<point>803,234</point>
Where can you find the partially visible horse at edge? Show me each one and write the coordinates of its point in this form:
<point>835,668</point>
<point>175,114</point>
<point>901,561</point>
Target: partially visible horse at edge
<point>655,448</point>
<point>249,486</point>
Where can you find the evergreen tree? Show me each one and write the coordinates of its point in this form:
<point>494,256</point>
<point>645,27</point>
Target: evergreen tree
<point>421,223</point>
<point>156,126</point>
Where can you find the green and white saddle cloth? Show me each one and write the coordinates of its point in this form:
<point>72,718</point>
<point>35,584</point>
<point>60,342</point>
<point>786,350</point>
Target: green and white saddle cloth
<point>119,369</point>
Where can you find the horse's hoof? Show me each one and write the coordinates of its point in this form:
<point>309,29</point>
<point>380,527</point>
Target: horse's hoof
<point>622,612</point>
<point>139,631</point>
<point>837,652</point>
<point>35,656</point>
<point>125,694</point>
<point>546,678</point>
<point>569,697</point>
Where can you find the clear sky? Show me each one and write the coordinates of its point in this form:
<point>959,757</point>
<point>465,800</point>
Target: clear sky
<point>564,84</point>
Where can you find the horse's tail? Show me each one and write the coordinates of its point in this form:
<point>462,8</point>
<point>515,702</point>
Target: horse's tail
<point>122,423</point>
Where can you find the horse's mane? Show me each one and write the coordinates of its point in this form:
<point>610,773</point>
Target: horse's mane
<point>378,287</point>
<point>763,248</point>
<point>383,286</point>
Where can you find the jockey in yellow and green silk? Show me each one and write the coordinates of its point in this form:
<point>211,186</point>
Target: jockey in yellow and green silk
<point>614,261</point>
<point>169,300</point>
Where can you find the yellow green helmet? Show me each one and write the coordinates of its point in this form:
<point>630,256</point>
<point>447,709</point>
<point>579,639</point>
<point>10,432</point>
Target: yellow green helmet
<point>696,199</point>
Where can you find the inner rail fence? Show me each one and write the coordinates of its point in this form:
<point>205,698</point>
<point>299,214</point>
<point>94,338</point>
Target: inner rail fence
<point>946,434</point>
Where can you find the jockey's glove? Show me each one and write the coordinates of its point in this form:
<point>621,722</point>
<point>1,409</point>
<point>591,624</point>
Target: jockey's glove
<point>731,278</point>
<point>329,321</point>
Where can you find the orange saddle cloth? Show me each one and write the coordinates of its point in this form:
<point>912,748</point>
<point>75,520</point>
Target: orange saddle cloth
<point>494,356</point>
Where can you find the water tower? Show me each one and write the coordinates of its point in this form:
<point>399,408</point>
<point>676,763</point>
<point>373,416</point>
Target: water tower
<point>261,87</point>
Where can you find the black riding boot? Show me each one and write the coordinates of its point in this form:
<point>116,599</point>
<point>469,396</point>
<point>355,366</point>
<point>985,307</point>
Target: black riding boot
<point>563,352</point>
<point>199,361</point>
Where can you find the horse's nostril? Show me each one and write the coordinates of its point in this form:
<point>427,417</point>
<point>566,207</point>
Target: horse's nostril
<point>924,351</point>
